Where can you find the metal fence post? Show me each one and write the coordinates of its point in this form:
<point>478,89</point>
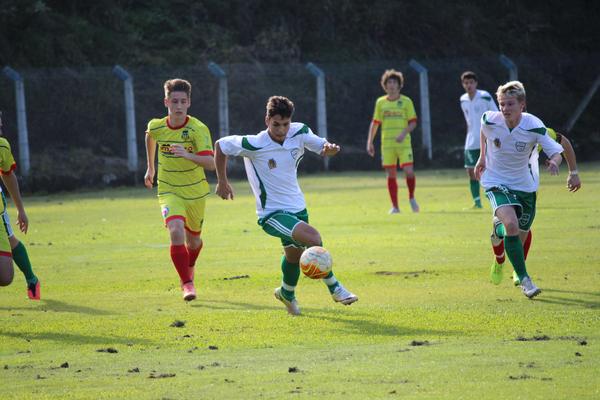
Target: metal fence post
<point>584,103</point>
<point>321,104</point>
<point>21,119</point>
<point>132,155</point>
<point>217,71</point>
<point>425,115</point>
<point>513,73</point>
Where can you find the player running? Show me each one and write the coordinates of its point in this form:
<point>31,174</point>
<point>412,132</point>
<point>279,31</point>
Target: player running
<point>271,160</point>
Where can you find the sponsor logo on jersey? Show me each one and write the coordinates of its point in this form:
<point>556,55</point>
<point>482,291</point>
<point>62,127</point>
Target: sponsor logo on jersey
<point>272,163</point>
<point>497,143</point>
<point>520,146</point>
<point>165,148</point>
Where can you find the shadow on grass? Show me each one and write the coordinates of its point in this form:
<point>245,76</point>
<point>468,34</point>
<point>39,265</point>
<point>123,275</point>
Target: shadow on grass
<point>75,339</point>
<point>59,306</point>
<point>359,323</point>
<point>569,301</point>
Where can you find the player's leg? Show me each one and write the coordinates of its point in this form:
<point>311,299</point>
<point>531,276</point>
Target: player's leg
<point>389,161</point>
<point>7,271</point>
<point>471,157</point>
<point>193,229</point>
<point>405,156</point>
<point>21,258</point>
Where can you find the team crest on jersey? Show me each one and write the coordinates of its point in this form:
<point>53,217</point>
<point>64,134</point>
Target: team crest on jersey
<point>185,135</point>
<point>272,163</point>
<point>497,143</point>
<point>520,146</point>
<point>294,153</point>
<point>165,211</point>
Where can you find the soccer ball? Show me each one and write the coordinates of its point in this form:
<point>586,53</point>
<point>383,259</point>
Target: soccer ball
<point>315,262</point>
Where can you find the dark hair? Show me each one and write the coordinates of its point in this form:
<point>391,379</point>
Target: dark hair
<point>279,105</point>
<point>392,74</point>
<point>178,85</point>
<point>468,75</point>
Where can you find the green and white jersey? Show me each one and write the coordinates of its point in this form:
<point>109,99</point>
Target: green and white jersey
<point>473,109</point>
<point>508,151</point>
<point>272,167</point>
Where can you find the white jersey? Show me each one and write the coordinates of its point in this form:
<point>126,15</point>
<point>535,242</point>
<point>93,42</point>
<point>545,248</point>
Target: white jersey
<point>272,167</point>
<point>508,151</point>
<point>473,109</point>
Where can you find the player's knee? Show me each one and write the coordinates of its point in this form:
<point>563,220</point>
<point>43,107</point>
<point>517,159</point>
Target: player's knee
<point>314,239</point>
<point>6,276</point>
<point>512,228</point>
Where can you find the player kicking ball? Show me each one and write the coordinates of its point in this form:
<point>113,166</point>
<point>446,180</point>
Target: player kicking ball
<point>507,140</point>
<point>271,159</point>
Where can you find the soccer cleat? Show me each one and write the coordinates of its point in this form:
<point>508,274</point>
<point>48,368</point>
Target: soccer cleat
<point>516,279</point>
<point>33,290</point>
<point>189,291</point>
<point>394,210</point>
<point>342,295</point>
<point>496,273</point>
<point>292,305</point>
<point>529,288</point>
<point>414,205</point>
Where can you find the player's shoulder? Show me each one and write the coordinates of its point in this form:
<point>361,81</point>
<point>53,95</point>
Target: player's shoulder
<point>492,118</point>
<point>484,95</point>
<point>531,123</point>
<point>157,123</point>
<point>380,100</point>
<point>196,124</point>
<point>464,97</point>
<point>552,133</point>
<point>298,128</point>
<point>405,99</point>
<point>250,142</point>
<point>4,142</point>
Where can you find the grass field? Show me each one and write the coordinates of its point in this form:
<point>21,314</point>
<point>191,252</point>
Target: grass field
<point>428,325</point>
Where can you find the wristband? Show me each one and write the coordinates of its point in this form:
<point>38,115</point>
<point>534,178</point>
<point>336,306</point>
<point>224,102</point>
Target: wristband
<point>574,172</point>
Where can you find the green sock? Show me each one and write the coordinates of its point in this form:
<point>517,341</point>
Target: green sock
<point>331,282</point>
<point>475,191</point>
<point>514,251</point>
<point>21,258</point>
<point>291,274</point>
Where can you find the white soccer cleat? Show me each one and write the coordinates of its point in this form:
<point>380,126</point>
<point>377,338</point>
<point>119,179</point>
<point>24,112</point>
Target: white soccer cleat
<point>529,288</point>
<point>292,306</point>
<point>414,205</point>
<point>394,210</point>
<point>343,295</point>
<point>189,292</point>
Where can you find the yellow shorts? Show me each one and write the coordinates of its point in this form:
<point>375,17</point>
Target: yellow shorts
<point>393,155</point>
<point>5,232</point>
<point>190,211</point>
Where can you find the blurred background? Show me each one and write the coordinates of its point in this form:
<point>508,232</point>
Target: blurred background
<point>65,53</point>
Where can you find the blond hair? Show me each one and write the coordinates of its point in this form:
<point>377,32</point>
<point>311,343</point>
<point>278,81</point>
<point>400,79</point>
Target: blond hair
<point>512,89</point>
<point>392,74</point>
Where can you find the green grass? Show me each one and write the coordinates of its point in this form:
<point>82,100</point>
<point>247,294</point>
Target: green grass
<point>108,283</point>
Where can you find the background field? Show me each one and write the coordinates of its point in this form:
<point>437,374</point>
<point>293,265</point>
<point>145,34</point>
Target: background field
<point>428,325</point>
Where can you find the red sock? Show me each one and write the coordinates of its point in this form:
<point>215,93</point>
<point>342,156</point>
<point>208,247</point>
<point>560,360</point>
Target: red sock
<point>181,260</point>
<point>393,189</point>
<point>411,183</point>
<point>193,254</point>
<point>499,252</point>
<point>527,244</point>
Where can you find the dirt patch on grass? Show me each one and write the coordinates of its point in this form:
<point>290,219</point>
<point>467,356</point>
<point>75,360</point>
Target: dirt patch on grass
<point>537,338</point>
<point>108,350</point>
<point>231,278</point>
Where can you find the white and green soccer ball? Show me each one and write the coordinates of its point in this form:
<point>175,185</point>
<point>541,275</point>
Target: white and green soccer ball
<point>316,262</point>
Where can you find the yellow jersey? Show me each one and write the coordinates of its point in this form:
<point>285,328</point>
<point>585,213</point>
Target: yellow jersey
<point>176,175</point>
<point>7,162</point>
<point>393,116</point>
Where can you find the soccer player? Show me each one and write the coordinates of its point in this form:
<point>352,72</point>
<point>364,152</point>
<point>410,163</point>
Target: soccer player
<point>507,140</point>
<point>474,103</point>
<point>498,231</point>
<point>184,152</point>
<point>395,113</point>
<point>12,248</point>
<point>271,160</point>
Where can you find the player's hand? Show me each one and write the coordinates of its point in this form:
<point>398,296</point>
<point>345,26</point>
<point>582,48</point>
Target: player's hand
<point>224,190</point>
<point>149,178</point>
<point>179,151</point>
<point>400,138</point>
<point>370,149</point>
<point>479,168</point>
<point>330,149</point>
<point>552,167</point>
<point>573,183</point>
<point>22,221</point>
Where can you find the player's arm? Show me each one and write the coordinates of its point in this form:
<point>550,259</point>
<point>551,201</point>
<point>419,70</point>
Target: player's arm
<point>371,137</point>
<point>150,157</point>
<point>406,131</point>
<point>553,150</point>
<point>204,159</point>
<point>223,188</point>
<point>480,166</point>
<point>573,181</point>
<point>12,185</point>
